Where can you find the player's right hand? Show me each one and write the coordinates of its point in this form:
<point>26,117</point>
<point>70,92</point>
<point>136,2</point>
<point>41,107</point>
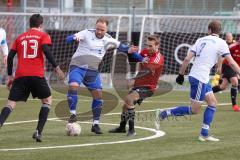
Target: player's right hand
<point>180,79</point>
<point>60,73</point>
<point>9,82</point>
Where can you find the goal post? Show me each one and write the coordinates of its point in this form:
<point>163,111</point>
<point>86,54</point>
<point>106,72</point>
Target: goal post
<point>177,34</point>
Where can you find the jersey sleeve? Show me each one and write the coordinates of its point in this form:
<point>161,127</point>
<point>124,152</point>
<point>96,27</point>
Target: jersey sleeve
<point>223,49</point>
<point>3,43</point>
<point>194,47</point>
<point>81,34</point>
<point>3,37</point>
<point>46,39</point>
<point>114,41</point>
<point>14,45</point>
<point>144,52</point>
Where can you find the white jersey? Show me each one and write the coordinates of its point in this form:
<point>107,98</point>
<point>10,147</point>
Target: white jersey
<point>207,51</point>
<point>3,42</point>
<point>91,49</point>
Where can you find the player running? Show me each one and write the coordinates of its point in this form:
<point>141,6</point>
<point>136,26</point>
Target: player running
<point>206,51</point>
<point>3,45</point>
<point>30,47</point>
<point>84,68</point>
<point>144,86</point>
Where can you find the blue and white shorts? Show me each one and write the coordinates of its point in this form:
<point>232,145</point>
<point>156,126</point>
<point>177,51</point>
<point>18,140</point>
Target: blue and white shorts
<point>90,78</point>
<point>198,89</point>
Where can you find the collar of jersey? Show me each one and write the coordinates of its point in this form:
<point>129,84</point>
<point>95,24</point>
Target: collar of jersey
<point>215,35</point>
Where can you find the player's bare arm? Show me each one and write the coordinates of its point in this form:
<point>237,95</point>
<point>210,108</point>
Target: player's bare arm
<point>219,65</point>
<point>186,61</point>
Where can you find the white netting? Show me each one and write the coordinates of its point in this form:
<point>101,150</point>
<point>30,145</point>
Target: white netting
<point>60,26</point>
<point>177,34</point>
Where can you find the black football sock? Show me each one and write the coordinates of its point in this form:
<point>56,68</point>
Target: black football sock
<point>43,114</point>
<point>131,117</point>
<point>234,90</point>
<point>5,113</point>
<point>124,119</point>
<point>216,89</point>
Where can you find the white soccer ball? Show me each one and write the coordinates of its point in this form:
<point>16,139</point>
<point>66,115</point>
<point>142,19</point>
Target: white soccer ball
<point>73,129</point>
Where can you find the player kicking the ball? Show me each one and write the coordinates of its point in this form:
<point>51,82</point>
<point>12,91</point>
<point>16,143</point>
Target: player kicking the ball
<point>206,51</point>
<point>30,47</point>
<point>84,68</point>
<point>144,86</point>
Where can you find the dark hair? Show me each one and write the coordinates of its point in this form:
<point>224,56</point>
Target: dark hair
<point>102,20</point>
<point>155,38</point>
<point>35,20</point>
<point>215,26</point>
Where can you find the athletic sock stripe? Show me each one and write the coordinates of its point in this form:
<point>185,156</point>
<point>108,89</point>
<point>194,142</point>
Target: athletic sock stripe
<point>212,108</point>
<point>199,91</point>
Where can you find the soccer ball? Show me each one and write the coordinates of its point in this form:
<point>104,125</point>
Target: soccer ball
<point>73,129</point>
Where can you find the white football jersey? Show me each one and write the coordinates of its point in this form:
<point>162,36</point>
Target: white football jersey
<point>207,51</point>
<point>91,49</point>
<point>3,42</point>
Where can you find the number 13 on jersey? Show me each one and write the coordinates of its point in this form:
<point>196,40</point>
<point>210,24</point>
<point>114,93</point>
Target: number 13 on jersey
<point>31,44</point>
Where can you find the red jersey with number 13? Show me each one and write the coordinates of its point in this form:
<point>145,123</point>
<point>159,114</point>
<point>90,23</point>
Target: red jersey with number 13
<point>30,54</point>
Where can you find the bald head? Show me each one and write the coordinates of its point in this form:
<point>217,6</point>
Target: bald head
<point>229,38</point>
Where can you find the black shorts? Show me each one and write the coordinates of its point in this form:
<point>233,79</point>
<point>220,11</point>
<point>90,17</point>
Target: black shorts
<point>23,86</point>
<point>228,72</point>
<point>144,92</point>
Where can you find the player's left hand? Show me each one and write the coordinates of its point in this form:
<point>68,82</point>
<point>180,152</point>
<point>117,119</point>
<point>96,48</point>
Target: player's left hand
<point>9,82</point>
<point>180,79</point>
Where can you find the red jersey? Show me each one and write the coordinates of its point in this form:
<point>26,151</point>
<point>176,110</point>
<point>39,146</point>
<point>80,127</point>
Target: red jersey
<point>235,52</point>
<point>30,54</point>
<point>154,67</point>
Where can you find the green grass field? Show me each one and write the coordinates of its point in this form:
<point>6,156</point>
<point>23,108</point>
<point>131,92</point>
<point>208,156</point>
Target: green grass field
<point>179,143</point>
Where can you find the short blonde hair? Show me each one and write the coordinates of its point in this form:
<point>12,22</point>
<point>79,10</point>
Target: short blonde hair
<point>155,38</point>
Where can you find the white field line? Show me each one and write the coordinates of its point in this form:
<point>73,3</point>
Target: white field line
<point>145,101</point>
<point>157,134</point>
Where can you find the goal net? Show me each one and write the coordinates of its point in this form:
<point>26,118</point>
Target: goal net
<point>177,34</point>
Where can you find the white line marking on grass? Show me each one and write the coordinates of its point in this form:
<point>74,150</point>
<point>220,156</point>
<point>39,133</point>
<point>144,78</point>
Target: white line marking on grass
<point>145,101</point>
<point>157,134</point>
